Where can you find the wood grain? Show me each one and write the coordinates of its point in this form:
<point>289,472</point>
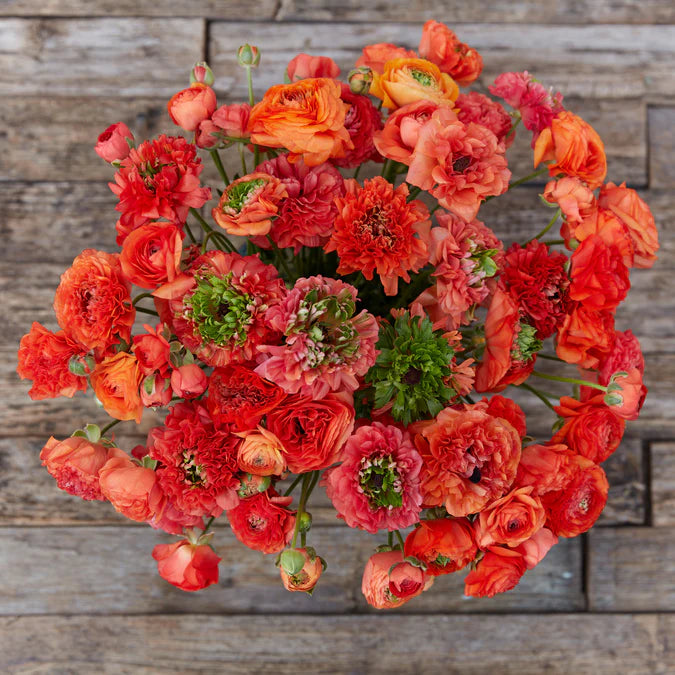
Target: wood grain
<point>626,499</point>
<point>631,569</point>
<point>66,566</point>
<point>662,147</point>
<point>386,644</point>
<point>99,57</point>
<point>663,483</point>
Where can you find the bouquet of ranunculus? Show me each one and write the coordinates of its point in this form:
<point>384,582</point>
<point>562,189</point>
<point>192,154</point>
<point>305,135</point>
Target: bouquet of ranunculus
<point>314,329</point>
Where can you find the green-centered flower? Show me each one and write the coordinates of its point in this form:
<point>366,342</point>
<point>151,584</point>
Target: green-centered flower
<point>381,482</point>
<point>526,345</point>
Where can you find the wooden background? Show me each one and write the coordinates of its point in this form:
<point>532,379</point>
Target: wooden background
<point>78,588</point>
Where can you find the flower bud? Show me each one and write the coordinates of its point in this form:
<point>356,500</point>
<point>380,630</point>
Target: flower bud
<point>155,391</point>
<point>190,107</point>
<point>261,453</point>
<point>306,573</point>
<point>291,561</point>
<point>248,56</point>
<point>202,73</point>
<point>360,80</point>
<point>188,381</point>
<point>114,144</point>
<point>251,485</point>
<point>305,522</point>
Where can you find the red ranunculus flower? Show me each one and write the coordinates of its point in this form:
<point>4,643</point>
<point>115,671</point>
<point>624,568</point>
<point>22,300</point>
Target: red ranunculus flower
<point>152,351</point>
<point>506,408</point>
<point>499,571</point>
<point>544,467</point>
<point>187,566</point>
<point>112,144</point>
<point>44,358</point>
<point>586,336</point>
<point>263,522</point>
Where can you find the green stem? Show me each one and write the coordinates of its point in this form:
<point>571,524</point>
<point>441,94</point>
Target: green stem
<point>208,524</point>
<point>243,159</point>
<point>209,235</point>
<point>215,155</point>
<point>569,380</point>
<point>556,215</point>
<point>414,191</point>
<point>280,257</point>
<point>198,216</point>
<point>189,234</point>
<point>539,394</point>
<point>553,242</point>
<point>390,539</point>
<point>529,177</point>
<point>293,485</point>
<point>357,172</point>
<point>140,296</point>
<point>512,130</point>
<point>107,427</point>
<point>309,481</point>
<point>251,102</point>
<point>400,539</point>
<point>550,357</point>
<point>146,311</point>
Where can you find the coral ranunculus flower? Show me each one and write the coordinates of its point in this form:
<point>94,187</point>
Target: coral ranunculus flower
<point>470,459</point>
<point>187,566</point>
<point>304,66</point>
<point>572,147</point>
<point>93,302</point>
<point>376,56</point>
<point>260,453</point>
<point>390,581</point>
<point>191,106</point>
<point>306,579</point>
<point>442,47</point>
<point>306,117</point>
<point>44,358</point>
<point>586,336</point>
<point>408,80</point>
<point>499,571</point>
<point>116,381</point>
<point>378,230</point>
<point>478,108</point>
<point>112,145</point>
<point>377,485</point>
<point>444,545</point>
<point>248,205</point>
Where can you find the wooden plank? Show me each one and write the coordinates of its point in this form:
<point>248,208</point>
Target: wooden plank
<point>454,12</point>
<point>615,62</point>
<point>66,566</point>
<point>663,482</point>
<point>631,569</point>
<point>661,147</point>
<point>626,499</point>
<point>387,643</point>
<point>264,9</point>
<point>98,57</point>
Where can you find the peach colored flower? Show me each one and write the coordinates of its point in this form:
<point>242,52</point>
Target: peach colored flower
<point>227,122</point>
<point>304,66</point>
<point>116,381</point>
<point>384,587</point>
<point>112,144</point>
<point>376,56</point>
<point>191,106</point>
<point>499,571</point>
<point>586,336</point>
<point>261,453</point>
<point>575,199</point>
<point>306,579</point>
<point>187,566</point>
<point>188,381</point>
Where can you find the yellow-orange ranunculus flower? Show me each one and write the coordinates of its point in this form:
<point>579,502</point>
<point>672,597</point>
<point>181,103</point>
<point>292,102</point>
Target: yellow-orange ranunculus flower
<point>260,453</point>
<point>116,381</point>
<point>408,80</point>
<point>306,117</point>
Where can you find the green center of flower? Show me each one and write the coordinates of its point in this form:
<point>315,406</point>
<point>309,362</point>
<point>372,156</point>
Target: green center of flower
<point>441,560</point>
<point>219,311</point>
<point>485,266</point>
<point>238,194</point>
<point>526,344</point>
<point>381,482</point>
<point>193,471</point>
<point>424,78</point>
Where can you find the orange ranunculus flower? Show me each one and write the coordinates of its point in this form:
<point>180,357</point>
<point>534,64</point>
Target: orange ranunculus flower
<point>132,489</point>
<point>260,453</point>
<point>408,80</point>
<point>510,520</point>
<point>442,47</point>
<point>92,303</point>
<point>376,56</point>
<point>605,225</point>
<point>585,337</point>
<point>116,381</point>
<point>151,254</point>
<point>499,570</point>
<point>544,467</point>
<point>636,217</point>
<point>304,580</point>
<point>306,117</point>
<point>191,106</point>
<point>248,204</point>
<point>575,199</point>
<point>574,148</point>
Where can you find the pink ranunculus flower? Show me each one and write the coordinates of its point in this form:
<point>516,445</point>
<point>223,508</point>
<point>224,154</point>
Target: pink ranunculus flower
<point>377,485</point>
<point>227,121</point>
<point>112,145</point>
<point>188,381</point>
<point>478,108</point>
<point>304,65</point>
<point>187,566</point>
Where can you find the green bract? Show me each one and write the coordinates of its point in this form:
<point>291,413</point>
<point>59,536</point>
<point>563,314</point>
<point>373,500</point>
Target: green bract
<point>238,193</point>
<point>411,369</point>
<point>527,344</point>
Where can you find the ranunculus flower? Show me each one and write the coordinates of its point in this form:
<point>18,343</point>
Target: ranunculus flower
<point>132,489</point>
<point>116,381</point>
<point>627,401</point>
<point>303,66</point>
<point>590,428</point>
<point>586,336</point>
<point>444,545</point>
<point>75,463</point>
<point>263,522</point>
<point>188,381</point>
<point>304,580</point>
<point>376,486</point>
<point>93,302</point>
<point>625,355</point>
<point>248,205</point>
<point>112,145</point>
<point>306,117</point>
<point>187,566</point>
<point>239,397</point>
<point>260,453</point>
<point>506,408</point>
<point>636,217</point>
<point>442,47</point>
<point>534,550</point>
<point>545,467</point>
<point>470,459</point>
<point>459,164</point>
<point>401,131</point>
<point>306,215</point>
<point>173,521</point>
<point>312,432</point>
<point>377,229</point>
<point>407,80</point>
<point>156,391</point>
<point>510,520</point>
<point>362,121</point>
<point>151,254</point>
<point>573,147</point>
<point>44,357</point>
<point>227,122</point>
<point>499,571</point>
<point>575,199</point>
<point>389,581</point>
<point>191,106</point>
<point>478,108</point>
<point>152,350</point>
<point>376,56</point>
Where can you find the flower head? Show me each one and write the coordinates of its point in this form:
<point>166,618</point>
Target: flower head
<point>442,47</point>
<point>187,566</point>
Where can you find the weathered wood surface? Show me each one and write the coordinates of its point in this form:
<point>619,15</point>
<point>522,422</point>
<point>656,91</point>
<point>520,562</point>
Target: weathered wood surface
<point>662,146</point>
<point>385,643</point>
<point>631,569</point>
<point>663,483</point>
